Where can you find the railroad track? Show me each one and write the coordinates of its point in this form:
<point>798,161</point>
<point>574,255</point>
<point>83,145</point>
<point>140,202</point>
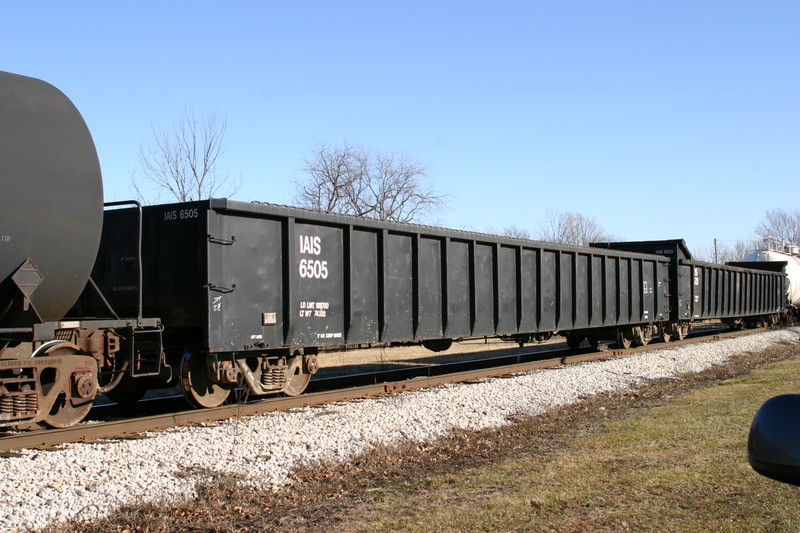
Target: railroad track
<point>338,389</point>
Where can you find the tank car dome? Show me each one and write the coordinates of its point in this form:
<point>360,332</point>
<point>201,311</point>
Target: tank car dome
<point>51,209</point>
<point>792,269</point>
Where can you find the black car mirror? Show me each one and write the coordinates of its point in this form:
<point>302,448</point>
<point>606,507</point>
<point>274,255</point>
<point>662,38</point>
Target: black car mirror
<point>773,446</point>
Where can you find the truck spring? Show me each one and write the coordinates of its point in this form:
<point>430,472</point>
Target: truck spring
<point>22,404</point>
<point>32,403</point>
<point>274,377</point>
<point>7,405</point>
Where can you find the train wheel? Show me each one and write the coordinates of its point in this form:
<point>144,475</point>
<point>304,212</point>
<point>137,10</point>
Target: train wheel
<point>67,410</point>
<point>574,340</point>
<point>65,413</point>
<point>642,335</point>
<point>128,391</point>
<point>296,379</point>
<point>663,333</point>
<point>198,389</point>
<point>622,341</point>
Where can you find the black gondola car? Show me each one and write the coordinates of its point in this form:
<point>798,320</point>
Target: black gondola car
<point>749,292</point>
<point>252,291</point>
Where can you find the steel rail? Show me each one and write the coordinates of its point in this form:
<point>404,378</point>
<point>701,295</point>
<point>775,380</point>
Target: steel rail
<point>48,438</point>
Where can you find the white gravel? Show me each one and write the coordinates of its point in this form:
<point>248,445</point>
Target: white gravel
<point>84,481</point>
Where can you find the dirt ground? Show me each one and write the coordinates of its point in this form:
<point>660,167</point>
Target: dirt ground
<point>383,358</point>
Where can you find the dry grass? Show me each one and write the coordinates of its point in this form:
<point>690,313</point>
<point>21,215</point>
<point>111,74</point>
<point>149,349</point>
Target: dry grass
<point>667,457</point>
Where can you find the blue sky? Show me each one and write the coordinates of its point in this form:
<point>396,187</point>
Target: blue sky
<point>661,119</point>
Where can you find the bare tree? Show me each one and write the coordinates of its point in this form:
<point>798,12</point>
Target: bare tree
<point>740,250</point>
<point>351,180</point>
<point>564,227</point>
<point>184,161</point>
<point>723,253</point>
<point>330,175</point>
<point>517,232</point>
<point>784,225</point>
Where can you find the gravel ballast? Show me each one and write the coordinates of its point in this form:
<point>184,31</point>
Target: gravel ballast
<point>86,481</point>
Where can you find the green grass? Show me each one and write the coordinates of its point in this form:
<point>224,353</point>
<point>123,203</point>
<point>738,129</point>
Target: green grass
<point>681,466</point>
